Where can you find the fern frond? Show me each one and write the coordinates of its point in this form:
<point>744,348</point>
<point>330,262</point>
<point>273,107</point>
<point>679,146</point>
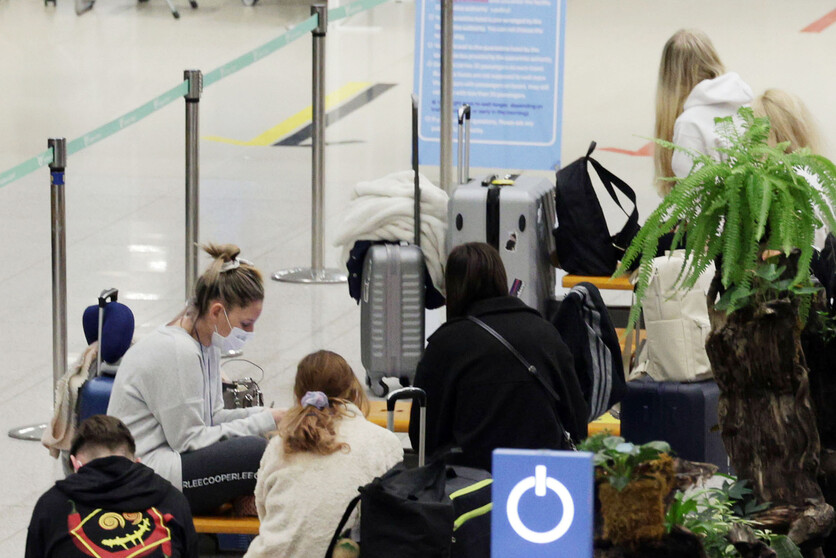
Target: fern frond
<point>754,197</point>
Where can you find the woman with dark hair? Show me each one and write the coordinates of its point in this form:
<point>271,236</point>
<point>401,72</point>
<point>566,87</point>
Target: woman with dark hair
<point>479,396</point>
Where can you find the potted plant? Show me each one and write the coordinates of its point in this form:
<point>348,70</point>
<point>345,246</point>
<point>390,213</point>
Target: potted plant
<point>722,516</point>
<point>634,482</point>
<point>754,213</point>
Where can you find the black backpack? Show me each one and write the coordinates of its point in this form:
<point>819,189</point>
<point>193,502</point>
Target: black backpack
<point>583,242</point>
<point>585,325</point>
<point>434,511</point>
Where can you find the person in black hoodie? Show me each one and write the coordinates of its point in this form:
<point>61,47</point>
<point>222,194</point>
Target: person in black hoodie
<point>112,507</point>
<point>479,395</point>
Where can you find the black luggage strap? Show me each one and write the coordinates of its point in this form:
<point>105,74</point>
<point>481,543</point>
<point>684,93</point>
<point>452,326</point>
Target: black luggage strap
<point>492,217</point>
<point>622,238</point>
<point>529,367</point>
<point>350,508</point>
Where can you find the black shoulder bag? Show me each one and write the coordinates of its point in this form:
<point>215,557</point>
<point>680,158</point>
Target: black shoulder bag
<point>531,370</point>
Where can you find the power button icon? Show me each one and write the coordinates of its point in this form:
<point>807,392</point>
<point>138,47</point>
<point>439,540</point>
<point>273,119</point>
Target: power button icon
<point>541,483</point>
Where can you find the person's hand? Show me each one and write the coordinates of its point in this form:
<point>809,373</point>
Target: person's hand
<point>278,414</point>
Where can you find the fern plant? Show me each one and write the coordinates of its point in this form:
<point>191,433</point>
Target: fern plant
<point>754,198</point>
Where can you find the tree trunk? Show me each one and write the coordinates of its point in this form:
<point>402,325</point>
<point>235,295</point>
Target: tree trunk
<point>820,354</point>
<point>766,415</point>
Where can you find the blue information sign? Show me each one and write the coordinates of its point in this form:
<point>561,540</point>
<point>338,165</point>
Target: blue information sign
<point>508,66</point>
<point>542,504</point>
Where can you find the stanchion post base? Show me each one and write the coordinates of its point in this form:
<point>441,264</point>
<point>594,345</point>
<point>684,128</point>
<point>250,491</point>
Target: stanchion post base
<point>307,275</point>
<point>30,433</point>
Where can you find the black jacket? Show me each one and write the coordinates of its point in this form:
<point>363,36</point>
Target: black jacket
<point>479,396</point>
<point>112,507</point>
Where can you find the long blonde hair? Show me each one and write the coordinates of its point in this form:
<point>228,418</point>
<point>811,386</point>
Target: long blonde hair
<point>308,429</point>
<point>687,59</point>
<point>790,120</point>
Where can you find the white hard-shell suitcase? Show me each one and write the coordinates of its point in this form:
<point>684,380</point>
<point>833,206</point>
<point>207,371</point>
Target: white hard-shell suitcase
<point>513,213</point>
<point>392,302</point>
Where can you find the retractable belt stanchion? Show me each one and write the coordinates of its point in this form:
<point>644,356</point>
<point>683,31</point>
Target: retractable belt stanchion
<point>59,278</point>
<point>446,139</point>
<point>317,272</point>
<point>195,79</point>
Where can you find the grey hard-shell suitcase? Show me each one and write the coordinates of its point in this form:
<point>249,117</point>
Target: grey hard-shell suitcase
<point>513,213</point>
<point>392,302</point>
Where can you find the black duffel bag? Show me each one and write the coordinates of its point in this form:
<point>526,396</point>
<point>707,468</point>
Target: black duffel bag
<point>435,511</point>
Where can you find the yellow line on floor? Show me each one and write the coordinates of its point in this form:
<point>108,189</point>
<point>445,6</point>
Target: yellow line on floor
<point>301,118</point>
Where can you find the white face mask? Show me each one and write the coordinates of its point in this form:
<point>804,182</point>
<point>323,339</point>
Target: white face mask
<point>233,342</point>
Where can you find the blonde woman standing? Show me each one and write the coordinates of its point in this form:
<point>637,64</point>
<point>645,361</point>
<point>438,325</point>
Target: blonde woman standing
<point>791,121</point>
<point>325,450</point>
<point>693,89</point>
<point>168,390</point>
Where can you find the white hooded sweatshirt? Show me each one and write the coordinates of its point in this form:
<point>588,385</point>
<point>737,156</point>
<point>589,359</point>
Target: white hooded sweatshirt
<point>694,128</point>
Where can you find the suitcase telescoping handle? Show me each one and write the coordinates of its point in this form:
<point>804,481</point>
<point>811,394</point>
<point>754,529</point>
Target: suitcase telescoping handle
<point>464,143</point>
<point>106,294</point>
<point>416,180</point>
<point>418,396</point>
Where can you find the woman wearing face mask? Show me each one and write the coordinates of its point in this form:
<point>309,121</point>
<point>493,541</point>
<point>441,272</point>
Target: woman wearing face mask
<point>168,389</point>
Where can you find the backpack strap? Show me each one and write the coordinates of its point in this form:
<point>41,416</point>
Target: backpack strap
<point>350,508</point>
<point>531,370</point>
<point>622,238</point>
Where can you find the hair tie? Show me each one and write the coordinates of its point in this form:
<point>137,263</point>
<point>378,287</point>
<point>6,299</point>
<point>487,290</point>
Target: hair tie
<point>315,399</point>
<point>234,263</point>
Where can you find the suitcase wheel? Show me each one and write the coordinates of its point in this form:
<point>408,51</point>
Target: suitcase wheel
<point>380,389</point>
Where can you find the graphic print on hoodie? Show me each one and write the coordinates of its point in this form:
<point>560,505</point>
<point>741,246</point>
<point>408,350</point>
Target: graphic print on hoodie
<point>112,508</point>
<point>104,534</point>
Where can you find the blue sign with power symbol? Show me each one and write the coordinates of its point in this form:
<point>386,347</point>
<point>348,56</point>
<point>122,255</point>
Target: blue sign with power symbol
<point>542,504</point>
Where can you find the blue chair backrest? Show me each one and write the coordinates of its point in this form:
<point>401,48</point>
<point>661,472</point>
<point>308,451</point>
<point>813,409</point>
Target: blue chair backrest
<point>117,329</point>
<point>117,333</point>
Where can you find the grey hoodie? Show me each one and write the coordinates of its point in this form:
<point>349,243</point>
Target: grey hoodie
<point>168,393</point>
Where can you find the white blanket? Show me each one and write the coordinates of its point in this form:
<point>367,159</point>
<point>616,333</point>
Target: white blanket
<point>383,209</point>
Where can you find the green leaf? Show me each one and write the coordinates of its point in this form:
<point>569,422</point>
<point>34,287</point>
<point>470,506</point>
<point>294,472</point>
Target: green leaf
<point>658,445</point>
<point>770,271</point>
<point>738,490</point>
<point>785,548</point>
<point>619,482</point>
<point>626,447</point>
<point>805,290</point>
<point>612,442</point>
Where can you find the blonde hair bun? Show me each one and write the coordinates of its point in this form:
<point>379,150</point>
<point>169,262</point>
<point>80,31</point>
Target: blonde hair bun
<point>224,252</point>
